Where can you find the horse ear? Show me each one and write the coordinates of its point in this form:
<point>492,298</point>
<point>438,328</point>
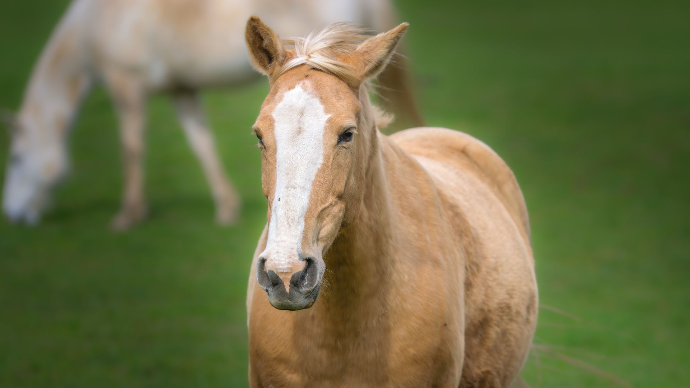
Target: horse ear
<point>372,56</point>
<point>266,51</point>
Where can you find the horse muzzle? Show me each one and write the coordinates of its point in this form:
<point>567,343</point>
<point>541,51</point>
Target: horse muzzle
<point>304,285</point>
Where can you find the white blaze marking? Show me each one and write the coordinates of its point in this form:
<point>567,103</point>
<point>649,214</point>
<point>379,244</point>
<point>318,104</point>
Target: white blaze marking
<point>299,125</point>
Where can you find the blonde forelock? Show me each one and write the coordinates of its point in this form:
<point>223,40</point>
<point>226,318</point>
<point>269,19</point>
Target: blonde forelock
<point>324,49</point>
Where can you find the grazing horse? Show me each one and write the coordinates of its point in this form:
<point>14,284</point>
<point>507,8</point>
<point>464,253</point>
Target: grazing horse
<point>416,245</point>
<point>138,48</point>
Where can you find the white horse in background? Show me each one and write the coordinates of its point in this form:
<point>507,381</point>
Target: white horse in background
<point>138,48</point>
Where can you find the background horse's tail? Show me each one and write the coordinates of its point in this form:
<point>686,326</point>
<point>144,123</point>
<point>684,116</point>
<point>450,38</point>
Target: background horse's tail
<point>396,89</point>
<point>395,84</point>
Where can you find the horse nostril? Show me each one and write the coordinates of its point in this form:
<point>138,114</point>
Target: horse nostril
<point>268,279</point>
<point>274,278</point>
<point>311,273</point>
<point>306,279</point>
<point>262,275</point>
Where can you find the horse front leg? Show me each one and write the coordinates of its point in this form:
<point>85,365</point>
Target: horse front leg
<point>129,99</point>
<point>202,141</point>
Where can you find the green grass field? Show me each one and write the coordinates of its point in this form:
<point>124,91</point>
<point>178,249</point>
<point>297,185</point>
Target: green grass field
<point>588,102</point>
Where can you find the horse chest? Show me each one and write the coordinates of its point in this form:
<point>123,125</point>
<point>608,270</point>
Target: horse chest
<point>375,354</point>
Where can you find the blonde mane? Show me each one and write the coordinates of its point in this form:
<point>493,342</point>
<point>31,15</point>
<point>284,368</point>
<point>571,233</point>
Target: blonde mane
<point>323,49</point>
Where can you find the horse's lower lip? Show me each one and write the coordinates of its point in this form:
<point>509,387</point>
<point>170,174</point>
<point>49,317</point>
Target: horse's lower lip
<point>295,300</point>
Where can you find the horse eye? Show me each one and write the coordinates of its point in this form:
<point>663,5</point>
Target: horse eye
<point>261,140</point>
<point>346,136</point>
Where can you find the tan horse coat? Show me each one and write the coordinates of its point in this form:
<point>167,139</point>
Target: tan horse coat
<point>429,276</point>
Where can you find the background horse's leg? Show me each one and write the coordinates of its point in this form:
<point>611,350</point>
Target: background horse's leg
<point>203,143</point>
<point>129,101</point>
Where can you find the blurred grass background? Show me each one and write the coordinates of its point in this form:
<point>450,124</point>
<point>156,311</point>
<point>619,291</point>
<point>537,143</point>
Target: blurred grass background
<point>588,102</point>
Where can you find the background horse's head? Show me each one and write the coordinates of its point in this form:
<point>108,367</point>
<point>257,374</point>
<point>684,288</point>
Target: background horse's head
<point>316,133</point>
<point>37,162</point>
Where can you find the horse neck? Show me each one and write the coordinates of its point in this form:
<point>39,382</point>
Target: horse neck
<point>57,84</point>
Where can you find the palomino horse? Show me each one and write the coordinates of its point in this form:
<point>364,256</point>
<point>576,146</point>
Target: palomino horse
<point>416,245</point>
<point>141,47</point>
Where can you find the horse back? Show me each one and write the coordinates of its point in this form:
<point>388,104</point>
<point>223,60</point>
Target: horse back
<point>476,158</point>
